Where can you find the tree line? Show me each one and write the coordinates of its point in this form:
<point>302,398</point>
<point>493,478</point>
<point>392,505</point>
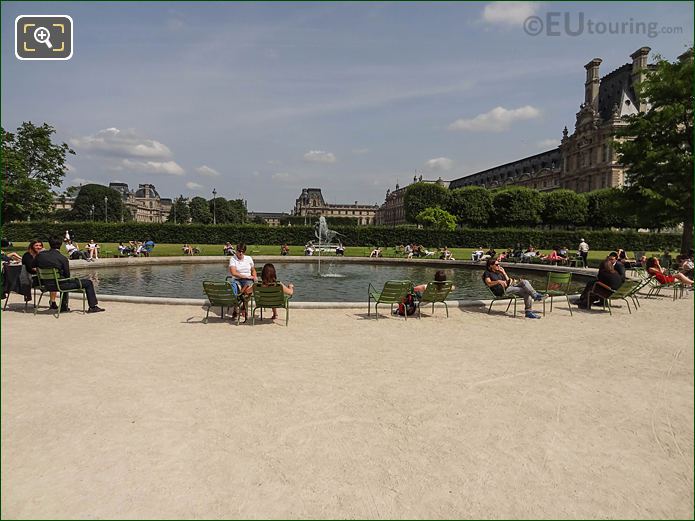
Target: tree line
<point>476,207</point>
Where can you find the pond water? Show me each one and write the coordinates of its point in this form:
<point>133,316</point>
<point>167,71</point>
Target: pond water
<point>341,282</point>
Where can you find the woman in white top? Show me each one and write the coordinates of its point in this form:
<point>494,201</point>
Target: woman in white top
<point>93,249</point>
<point>241,267</point>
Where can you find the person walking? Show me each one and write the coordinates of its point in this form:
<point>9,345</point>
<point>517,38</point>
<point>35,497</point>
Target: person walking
<point>583,251</point>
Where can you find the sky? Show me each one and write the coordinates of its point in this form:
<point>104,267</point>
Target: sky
<point>260,100</point>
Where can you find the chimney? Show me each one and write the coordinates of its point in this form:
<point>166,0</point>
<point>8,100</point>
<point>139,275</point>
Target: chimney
<point>639,68</point>
<point>592,83</point>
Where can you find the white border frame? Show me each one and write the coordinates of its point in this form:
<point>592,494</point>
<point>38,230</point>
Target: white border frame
<point>72,36</point>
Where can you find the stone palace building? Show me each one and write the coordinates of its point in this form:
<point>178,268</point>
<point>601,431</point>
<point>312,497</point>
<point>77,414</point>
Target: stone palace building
<point>311,203</point>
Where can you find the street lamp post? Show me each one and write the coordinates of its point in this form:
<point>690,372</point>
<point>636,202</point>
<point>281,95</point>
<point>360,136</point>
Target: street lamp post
<point>92,213</point>
<point>106,208</point>
<point>214,206</point>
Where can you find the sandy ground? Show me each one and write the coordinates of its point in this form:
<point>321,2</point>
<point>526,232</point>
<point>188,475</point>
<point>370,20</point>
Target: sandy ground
<point>145,412</point>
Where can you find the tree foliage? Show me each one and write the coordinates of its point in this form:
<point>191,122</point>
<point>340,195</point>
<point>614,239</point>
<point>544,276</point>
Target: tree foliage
<point>232,211</point>
<point>33,165</point>
<point>437,219</point>
<point>472,205</point>
<point>200,212</point>
<point>92,196</point>
<point>179,214</point>
<point>419,196</point>
<point>657,145</point>
<point>564,208</point>
<point>517,206</point>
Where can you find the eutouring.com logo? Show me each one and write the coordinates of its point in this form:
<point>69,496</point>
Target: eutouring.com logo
<point>557,23</point>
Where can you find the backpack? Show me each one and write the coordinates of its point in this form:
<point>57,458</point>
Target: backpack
<point>407,305</point>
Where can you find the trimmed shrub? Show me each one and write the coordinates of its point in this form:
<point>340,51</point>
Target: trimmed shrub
<point>516,206</point>
<point>354,235</point>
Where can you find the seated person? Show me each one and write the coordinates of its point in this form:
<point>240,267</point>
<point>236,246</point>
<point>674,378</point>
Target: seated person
<point>376,252</point>
<point>608,275</point>
<point>446,254</point>
<point>54,259</point>
<point>477,254</point>
<point>687,265</point>
<point>488,254</point>
<point>74,252</point>
<point>35,247</point>
<point>502,284</point>
<point>241,267</point>
<point>124,251</point>
<point>93,251</point>
<point>554,256</point>
<point>439,276</point>
<point>655,270</point>
<point>666,260</point>
<point>340,249</point>
<point>284,250</point>
<point>269,278</point>
<point>424,252</point>
<point>563,252</point>
<point>147,247</point>
<point>11,256</point>
<point>529,253</point>
<point>187,250</point>
<point>228,249</point>
<point>309,249</point>
<point>408,251</point>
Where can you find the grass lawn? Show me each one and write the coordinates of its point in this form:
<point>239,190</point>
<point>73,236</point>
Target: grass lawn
<point>173,250</point>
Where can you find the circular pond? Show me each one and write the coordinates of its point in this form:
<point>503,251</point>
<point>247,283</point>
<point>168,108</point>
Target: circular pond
<point>340,282</point>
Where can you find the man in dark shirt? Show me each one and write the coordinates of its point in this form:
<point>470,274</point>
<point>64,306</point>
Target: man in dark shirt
<point>54,259</point>
<point>617,265</point>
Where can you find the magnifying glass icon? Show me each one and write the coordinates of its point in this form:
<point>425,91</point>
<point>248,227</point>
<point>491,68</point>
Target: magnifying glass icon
<point>43,35</point>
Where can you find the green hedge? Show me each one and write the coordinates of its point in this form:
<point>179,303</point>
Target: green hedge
<point>353,235</point>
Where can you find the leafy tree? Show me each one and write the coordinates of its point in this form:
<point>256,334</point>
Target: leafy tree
<point>230,211</point>
<point>33,165</point>
<point>564,208</point>
<point>517,206</point>
<point>179,214</point>
<point>92,195</point>
<point>419,196</point>
<point>644,208</point>
<point>437,219</point>
<point>471,205</point>
<point>657,150</point>
<point>257,219</point>
<point>200,212</point>
<point>605,208</point>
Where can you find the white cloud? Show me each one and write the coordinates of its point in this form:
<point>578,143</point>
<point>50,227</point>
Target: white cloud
<point>193,186</point>
<point>319,156</point>
<point>496,120</point>
<point>207,171</point>
<point>509,13</point>
<point>80,181</point>
<point>439,163</point>
<point>548,143</point>
<point>152,167</point>
<point>122,143</point>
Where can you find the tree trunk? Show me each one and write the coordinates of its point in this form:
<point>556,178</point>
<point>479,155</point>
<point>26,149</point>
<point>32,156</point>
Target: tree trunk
<point>687,239</point>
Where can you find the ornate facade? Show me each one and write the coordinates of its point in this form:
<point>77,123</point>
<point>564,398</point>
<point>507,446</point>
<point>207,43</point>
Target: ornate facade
<point>311,203</point>
<point>585,160</point>
<point>144,204</point>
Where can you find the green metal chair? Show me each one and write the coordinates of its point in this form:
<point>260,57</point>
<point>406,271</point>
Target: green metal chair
<point>393,293</point>
<point>435,292</point>
<point>637,288</point>
<point>557,285</point>
<point>495,298</point>
<point>577,261</point>
<point>50,278</point>
<point>624,292</point>
<point>221,294</point>
<point>269,297</point>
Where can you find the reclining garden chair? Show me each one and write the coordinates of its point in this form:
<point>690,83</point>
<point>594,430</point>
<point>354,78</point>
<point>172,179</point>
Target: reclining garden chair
<point>435,292</point>
<point>223,294</point>
<point>265,297</point>
<point>511,298</point>
<point>394,292</point>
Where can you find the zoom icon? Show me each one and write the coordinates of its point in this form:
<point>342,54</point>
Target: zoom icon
<point>43,37</point>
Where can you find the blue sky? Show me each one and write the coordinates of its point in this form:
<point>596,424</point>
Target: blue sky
<point>263,99</point>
